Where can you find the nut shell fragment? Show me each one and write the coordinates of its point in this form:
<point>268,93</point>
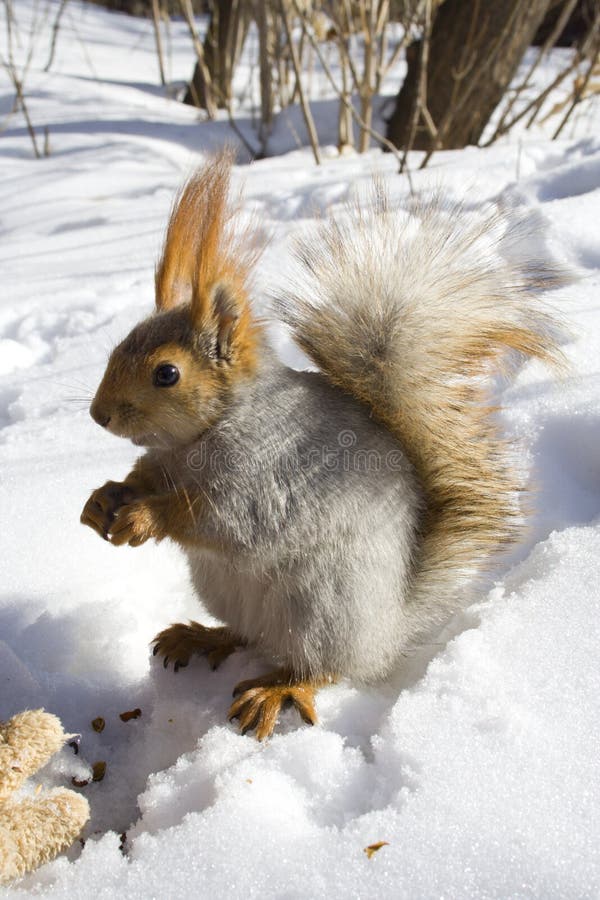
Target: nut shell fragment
<point>373,848</point>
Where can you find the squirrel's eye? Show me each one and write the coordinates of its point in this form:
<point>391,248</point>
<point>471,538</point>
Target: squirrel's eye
<point>165,375</point>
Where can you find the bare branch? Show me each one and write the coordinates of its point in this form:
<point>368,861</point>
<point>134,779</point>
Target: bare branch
<point>156,16</point>
<point>579,92</point>
<point>310,125</point>
<point>13,73</point>
<point>188,15</point>
<point>55,30</point>
<point>550,41</point>
<point>420,100</point>
<point>327,70</point>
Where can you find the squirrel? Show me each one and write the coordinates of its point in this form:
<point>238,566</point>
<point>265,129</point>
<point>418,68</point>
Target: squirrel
<point>330,519</point>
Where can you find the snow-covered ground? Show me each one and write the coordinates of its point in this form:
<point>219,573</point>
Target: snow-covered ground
<point>478,763</point>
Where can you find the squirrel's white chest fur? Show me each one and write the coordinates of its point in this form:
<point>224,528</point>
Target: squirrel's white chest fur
<point>317,525</point>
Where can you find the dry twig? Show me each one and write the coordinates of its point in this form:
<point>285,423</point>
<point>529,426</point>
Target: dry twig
<point>188,15</point>
<point>310,125</point>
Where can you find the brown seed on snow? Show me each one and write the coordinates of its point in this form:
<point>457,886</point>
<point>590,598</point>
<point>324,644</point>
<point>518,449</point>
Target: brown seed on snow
<point>98,770</point>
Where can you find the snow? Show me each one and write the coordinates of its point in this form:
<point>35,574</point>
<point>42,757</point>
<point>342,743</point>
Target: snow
<point>477,762</point>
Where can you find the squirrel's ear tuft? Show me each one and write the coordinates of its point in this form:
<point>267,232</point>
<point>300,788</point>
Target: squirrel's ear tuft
<point>194,242</point>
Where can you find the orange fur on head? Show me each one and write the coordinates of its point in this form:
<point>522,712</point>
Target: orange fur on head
<point>204,326</point>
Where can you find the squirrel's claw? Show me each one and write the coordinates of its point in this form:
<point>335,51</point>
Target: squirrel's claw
<point>218,655</point>
<point>95,517</point>
<point>99,511</point>
<point>94,522</point>
<point>260,700</point>
<point>180,641</point>
<point>133,524</point>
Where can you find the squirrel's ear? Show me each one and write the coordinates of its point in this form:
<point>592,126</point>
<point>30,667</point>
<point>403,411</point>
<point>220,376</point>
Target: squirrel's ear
<point>226,308</point>
<point>227,313</point>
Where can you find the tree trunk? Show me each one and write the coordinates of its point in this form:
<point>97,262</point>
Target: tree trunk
<point>474,51</point>
<point>576,26</point>
<point>222,46</point>
<point>266,46</point>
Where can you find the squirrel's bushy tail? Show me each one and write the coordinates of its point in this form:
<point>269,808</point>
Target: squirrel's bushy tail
<point>409,317</point>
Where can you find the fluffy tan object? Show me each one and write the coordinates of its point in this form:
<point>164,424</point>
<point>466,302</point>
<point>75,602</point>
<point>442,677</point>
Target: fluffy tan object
<point>33,831</point>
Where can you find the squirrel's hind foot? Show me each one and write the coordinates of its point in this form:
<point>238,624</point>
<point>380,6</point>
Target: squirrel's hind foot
<point>260,700</point>
<point>179,642</point>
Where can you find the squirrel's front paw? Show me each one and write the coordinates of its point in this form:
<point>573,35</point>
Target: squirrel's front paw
<point>179,642</point>
<point>134,524</point>
<point>100,510</point>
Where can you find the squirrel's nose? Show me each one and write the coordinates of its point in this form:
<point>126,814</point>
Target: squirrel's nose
<point>99,416</point>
